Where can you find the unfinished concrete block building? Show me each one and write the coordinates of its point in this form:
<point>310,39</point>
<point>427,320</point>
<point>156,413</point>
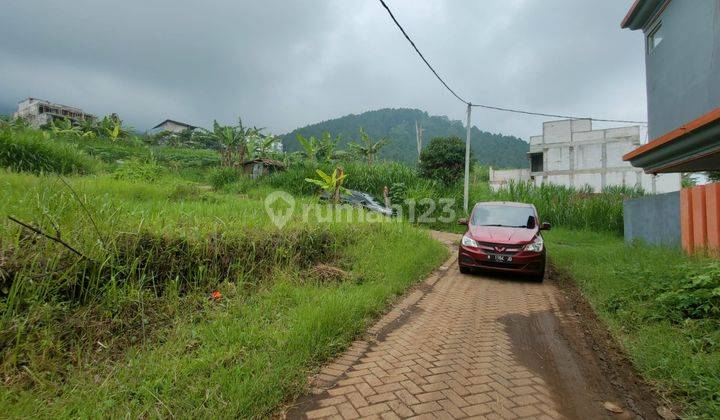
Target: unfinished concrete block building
<point>38,112</point>
<point>571,153</point>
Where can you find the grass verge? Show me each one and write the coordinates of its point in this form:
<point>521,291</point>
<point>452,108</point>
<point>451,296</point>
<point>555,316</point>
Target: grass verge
<point>143,339</point>
<point>661,305</point>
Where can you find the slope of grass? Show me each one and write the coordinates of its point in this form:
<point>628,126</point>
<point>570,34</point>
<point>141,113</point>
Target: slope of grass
<point>29,151</point>
<point>137,335</point>
<point>663,306</point>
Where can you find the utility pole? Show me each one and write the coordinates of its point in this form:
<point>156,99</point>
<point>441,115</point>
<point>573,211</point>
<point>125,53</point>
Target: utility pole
<point>467,161</point>
<point>418,136</point>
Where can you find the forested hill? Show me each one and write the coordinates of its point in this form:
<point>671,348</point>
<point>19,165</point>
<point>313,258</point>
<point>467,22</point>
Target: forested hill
<point>398,125</point>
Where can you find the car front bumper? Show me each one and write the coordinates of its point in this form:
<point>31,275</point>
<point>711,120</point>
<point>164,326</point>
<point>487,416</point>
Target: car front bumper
<point>523,262</point>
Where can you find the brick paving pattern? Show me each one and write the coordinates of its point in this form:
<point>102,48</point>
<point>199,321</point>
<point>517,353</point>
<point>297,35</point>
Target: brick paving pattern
<point>451,358</point>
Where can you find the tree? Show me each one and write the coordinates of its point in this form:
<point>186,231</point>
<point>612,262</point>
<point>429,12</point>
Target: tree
<point>366,147</point>
<point>686,180</point>
<point>443,159</point>
<point>713,176</point>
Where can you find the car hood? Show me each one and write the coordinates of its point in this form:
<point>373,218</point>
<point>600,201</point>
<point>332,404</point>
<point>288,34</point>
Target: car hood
<point>502,234</point>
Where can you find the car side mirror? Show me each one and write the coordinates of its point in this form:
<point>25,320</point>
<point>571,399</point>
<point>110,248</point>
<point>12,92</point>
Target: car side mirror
<point>545,226</point>
<point>463,222</point>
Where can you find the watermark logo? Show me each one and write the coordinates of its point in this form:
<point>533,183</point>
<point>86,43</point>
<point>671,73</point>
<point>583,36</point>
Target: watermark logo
<point>280,206</point>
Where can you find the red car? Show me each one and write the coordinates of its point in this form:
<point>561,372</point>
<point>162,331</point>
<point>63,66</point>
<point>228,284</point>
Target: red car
<point>503,236</point>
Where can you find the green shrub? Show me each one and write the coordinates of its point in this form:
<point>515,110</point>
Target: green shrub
<point>137,170</point>
<point>224,176</point>
<point>361,176</point>
<point>28,150</point>
<point>443,159</point>
<point>694,297</point>
<point>175,157</point>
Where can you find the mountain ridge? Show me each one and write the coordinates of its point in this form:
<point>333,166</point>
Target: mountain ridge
<point>398,124</point>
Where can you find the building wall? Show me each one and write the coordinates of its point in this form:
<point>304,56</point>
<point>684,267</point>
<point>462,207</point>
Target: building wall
<point>172,127</point>
<point>653,219</point>
<point>30,110</point>
<point>575,155</point>
<point>500,178</point>
<point>683,71</point>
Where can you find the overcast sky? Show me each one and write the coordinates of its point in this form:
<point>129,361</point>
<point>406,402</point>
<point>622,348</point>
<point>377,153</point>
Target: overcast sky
<point>286,63</point>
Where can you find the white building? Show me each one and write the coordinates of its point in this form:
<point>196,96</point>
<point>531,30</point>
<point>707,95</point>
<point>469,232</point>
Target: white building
<point>571,153</point>
<point>172,126</point>
<point>38,112</point>
<point>501,177</point>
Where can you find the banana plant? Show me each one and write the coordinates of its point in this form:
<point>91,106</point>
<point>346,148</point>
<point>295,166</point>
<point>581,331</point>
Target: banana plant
<point>319,150</point>
<point>64,127</point>
<point>330,183</point>
<point>367,148</point>
<point>310,146</point>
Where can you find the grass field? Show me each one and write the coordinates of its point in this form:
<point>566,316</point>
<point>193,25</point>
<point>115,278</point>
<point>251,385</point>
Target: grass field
<point>661,305</point>
<point>130,331</point>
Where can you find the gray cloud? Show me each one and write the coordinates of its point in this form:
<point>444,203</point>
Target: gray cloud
<point>281,64</point>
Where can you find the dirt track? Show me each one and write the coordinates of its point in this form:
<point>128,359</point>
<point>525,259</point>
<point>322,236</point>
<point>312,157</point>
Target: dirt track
<point>479,346</point>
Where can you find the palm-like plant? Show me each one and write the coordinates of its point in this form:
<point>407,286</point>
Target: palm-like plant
<point>319,150</point>
<point>310,146</point>
<point>64,127</point>
<point>367,148</point>
<point>112,128</point>
<point>232,139</point>
<point>330,183</point>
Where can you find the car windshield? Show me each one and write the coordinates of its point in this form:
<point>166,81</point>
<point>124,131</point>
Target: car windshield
<point>498,215</point>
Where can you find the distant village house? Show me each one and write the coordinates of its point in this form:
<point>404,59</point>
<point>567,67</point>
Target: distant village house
<point>38,112</point>
<point>173,126</point>
<point>262,166</point>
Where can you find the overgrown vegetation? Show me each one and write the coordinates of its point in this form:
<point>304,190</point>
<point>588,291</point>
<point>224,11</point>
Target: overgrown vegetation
<point>663,306</point>
<point>29,150</point>
<point>175,295</point>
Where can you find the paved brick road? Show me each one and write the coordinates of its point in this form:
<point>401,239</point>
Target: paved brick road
<point>459,346</point>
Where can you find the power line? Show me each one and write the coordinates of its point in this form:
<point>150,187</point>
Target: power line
<point>420,54</point>
<point>518,111</point>
<point>496,108</point>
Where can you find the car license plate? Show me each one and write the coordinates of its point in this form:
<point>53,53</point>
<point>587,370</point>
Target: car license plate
<point>500,258</point>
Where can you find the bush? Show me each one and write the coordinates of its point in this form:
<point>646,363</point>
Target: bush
<point>137,170</point>
<point>696,297</point>
<point>443,159</point>
<point>223,176</point>
<point>361,176</point>
<point>28,150</point>
<point>176,157</point>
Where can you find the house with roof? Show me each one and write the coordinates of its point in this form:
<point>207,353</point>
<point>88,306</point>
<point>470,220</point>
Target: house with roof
<point>173,126</point>
<point>682,60</point>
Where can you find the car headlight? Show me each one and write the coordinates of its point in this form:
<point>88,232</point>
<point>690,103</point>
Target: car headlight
<point>536,245</point>
<point>468,241</point>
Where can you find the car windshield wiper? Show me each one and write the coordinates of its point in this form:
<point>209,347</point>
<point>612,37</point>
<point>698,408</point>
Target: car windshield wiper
<point>512,226</point>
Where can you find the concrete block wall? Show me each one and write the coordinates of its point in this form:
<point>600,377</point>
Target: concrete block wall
<point>653,219</point>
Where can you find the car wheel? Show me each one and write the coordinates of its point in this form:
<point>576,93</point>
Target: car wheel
<point>464,270</point>
<point>538,278</point>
